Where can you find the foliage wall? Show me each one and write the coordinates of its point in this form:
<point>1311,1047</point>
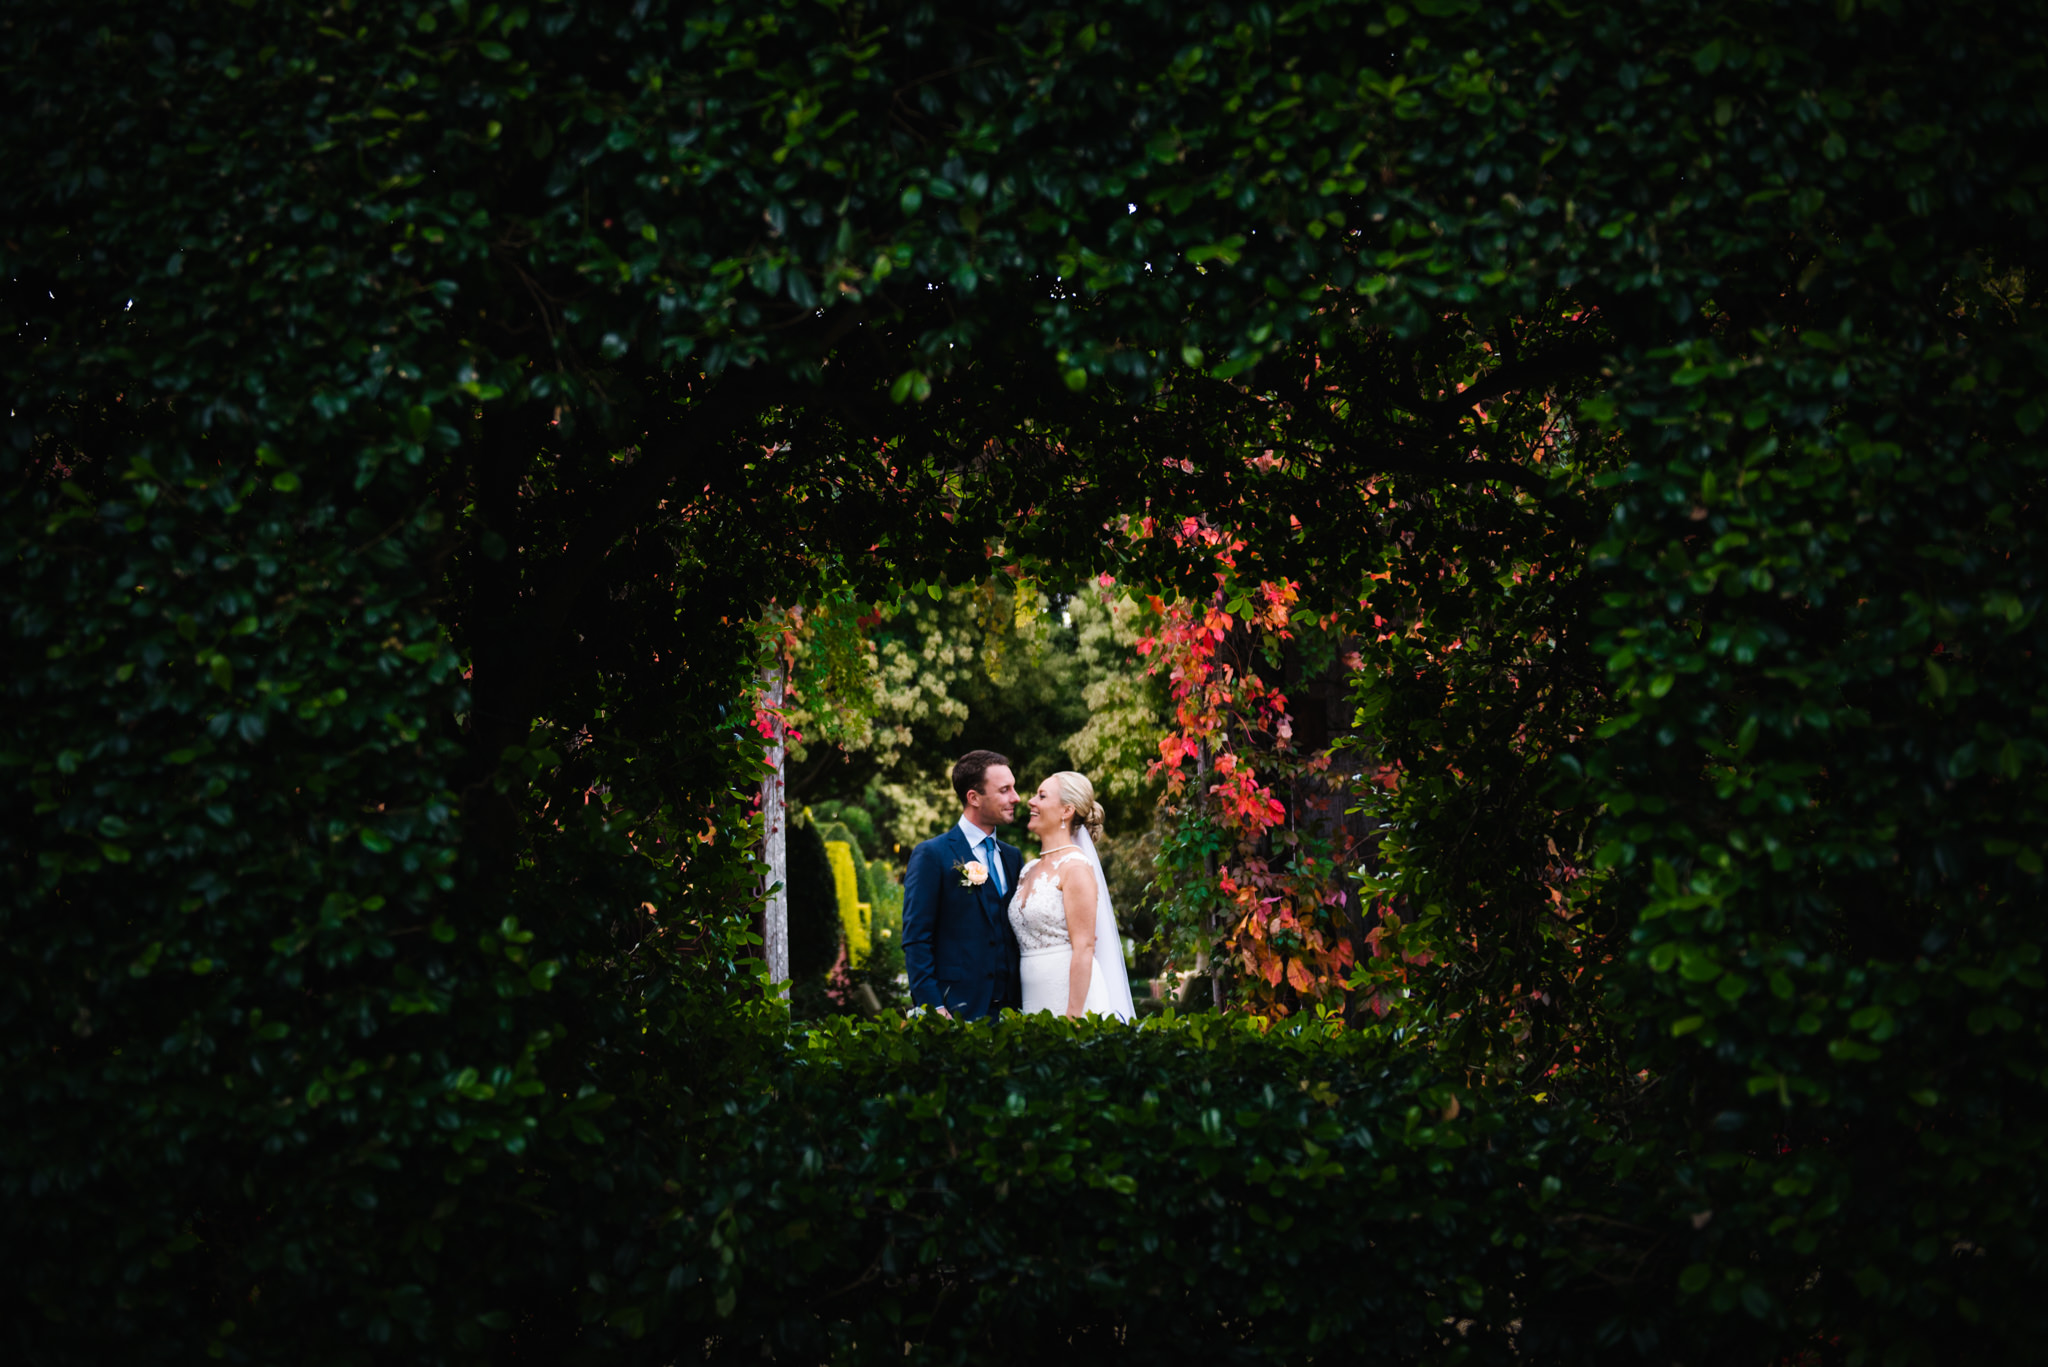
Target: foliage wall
<point>413,407</point>
<point>1189,1188</point>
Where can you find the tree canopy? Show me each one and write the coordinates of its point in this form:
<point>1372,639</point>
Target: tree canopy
<point>414,406</point>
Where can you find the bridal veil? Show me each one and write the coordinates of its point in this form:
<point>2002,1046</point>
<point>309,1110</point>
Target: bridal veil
<point>1109,945</point>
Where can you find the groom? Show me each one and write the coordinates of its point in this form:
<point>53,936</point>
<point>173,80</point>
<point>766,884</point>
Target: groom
<point>958,948</point>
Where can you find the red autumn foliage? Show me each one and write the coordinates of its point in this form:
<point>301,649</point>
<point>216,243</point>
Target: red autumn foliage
<point>1230,752</point>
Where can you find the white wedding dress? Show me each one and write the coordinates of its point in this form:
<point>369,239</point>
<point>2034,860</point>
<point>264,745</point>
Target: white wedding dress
<point>1038,914</point>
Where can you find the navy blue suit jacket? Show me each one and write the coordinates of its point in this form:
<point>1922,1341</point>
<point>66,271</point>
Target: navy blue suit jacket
<point>958,949</point>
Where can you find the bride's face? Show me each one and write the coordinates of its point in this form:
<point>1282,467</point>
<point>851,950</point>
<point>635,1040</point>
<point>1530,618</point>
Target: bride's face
<point>1050,817</point>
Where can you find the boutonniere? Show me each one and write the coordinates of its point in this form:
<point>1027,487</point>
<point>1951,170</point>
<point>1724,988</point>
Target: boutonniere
<point>973,873</point>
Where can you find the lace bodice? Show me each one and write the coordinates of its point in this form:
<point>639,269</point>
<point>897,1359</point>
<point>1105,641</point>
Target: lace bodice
<point>1038,909</point>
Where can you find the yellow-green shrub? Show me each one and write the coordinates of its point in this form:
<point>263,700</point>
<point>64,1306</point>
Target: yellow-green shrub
<point>853,913</point>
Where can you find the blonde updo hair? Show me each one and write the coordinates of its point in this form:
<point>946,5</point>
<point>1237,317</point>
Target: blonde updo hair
<point>1077,792</point>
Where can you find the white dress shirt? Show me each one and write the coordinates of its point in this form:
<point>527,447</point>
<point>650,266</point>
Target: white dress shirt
<point>982,843</point>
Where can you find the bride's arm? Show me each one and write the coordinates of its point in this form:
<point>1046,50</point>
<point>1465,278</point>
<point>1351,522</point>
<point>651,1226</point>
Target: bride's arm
<point>1078,891</point>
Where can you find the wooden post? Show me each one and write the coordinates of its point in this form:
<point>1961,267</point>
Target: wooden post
<point>775,840</point>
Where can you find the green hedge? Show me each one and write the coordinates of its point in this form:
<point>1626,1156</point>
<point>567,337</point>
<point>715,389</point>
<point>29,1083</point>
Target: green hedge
<point>1189,1190</point>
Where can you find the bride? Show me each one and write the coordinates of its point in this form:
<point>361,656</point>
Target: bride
<point>1073,960</point>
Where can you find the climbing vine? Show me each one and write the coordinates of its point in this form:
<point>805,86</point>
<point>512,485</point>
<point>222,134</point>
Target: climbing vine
<point>1258,852</point>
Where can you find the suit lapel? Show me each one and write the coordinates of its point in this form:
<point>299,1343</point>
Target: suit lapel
<point>962,851</point>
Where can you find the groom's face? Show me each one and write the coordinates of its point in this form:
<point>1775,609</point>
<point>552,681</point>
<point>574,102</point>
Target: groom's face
<point>996,803</point>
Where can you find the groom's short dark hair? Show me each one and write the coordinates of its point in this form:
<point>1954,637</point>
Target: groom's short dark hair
<point>971,769</point>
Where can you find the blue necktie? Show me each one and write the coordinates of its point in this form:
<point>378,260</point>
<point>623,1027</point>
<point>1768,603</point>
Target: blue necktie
<point>995,865</point>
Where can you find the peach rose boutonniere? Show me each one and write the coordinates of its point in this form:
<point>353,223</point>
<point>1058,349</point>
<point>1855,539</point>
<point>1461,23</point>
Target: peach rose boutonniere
<point>973,873</point>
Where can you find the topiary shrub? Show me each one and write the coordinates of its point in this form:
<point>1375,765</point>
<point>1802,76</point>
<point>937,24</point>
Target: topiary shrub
<point>856,819</point>
<point>855,911</point>
<point>814,941</point>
